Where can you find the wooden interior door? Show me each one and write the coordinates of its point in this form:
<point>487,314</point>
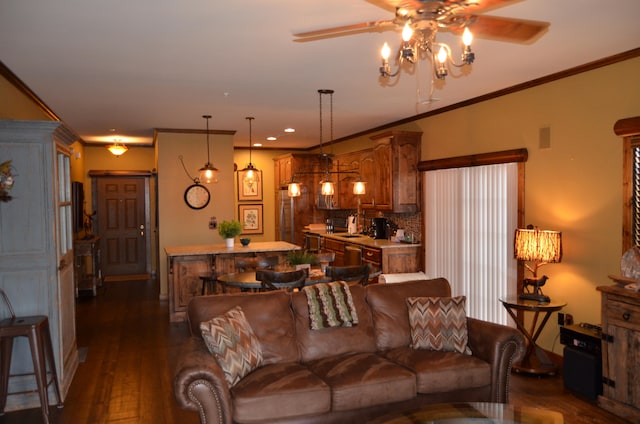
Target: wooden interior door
<point>122,218</point>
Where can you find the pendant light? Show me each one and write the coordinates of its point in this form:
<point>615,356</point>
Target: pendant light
<point>208,173</point>
<point>251,173</point>
<point>327,187</point>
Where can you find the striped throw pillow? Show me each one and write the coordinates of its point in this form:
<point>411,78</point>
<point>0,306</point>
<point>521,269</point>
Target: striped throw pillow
<point>231,341</point>
<point>438,323</point>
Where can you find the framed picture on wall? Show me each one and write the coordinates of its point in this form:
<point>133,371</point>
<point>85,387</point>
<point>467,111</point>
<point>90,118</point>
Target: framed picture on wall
<point>249,191</point>
<point>251,219</point>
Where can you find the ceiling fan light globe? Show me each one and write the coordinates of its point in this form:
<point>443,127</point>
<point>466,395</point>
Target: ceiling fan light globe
<point>385,52</point>
<point>407,33</point>
<point>467,37</point>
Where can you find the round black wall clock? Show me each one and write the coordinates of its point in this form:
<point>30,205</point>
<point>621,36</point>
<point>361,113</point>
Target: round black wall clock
<point>197,196</point>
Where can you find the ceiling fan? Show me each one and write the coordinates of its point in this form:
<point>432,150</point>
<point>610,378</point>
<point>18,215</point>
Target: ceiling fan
<point>430,16</point>
<point>421,20</point>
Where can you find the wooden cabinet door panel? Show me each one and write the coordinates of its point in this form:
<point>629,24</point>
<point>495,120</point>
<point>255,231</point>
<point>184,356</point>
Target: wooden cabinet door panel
<point>382,156</point>
<point>368,173</point>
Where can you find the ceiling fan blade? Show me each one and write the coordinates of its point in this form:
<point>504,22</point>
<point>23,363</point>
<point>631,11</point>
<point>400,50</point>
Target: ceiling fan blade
<point>499,28</point>
<point>346,30</point>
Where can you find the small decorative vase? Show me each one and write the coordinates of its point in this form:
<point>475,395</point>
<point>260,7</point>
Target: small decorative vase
<point>230,242</point>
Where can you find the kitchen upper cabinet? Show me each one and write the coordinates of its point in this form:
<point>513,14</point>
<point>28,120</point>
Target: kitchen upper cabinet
<point>391,172</point>
<point>283,173</point>
<point>349,167</point>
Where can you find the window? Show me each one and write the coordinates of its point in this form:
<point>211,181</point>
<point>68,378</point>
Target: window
<point>629,129</point>
<point>471,211</point>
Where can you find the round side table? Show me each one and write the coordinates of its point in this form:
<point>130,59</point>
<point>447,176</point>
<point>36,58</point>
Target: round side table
<point>535,360</point>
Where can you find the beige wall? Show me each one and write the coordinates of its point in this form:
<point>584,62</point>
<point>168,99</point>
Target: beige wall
<point>15,105</point>
<point>575,186</point>
<point>177,223</point>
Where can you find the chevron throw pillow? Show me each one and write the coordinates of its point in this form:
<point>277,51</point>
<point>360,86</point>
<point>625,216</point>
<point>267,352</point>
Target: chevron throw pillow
<point>438,323</point>
<point>231,341</point>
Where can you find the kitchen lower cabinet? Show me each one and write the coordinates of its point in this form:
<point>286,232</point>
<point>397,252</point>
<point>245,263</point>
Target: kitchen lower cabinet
<point>383,255</point>
<point>336,247</point>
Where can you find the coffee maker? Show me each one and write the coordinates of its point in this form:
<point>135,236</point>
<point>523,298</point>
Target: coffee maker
<point>380,228</point>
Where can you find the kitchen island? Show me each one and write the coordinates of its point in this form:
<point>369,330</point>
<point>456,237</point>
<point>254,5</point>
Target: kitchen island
<point>186,264</point>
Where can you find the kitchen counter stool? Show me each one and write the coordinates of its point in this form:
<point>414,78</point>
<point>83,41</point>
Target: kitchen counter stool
<point>36,329</point>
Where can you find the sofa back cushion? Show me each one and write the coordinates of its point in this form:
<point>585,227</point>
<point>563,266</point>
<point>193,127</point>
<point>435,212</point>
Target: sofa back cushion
<point>388,303</point>
<point>268,314</point>
<point>326,342</point>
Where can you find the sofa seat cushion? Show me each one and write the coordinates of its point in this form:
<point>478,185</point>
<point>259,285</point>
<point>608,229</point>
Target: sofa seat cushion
<point>364,379</point>
<point>440,372</point>
<point>279,391</point>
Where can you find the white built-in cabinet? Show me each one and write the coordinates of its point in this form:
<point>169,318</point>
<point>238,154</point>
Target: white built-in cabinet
<point>36,247</point>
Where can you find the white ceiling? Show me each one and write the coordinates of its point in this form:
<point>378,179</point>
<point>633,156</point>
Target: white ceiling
<point>143,64</point>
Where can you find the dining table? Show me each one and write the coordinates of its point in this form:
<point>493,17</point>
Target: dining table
<point>247,281</point>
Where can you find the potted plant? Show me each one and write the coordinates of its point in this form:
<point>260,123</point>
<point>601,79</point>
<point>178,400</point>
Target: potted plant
<point>228,230</point>
<point>301,259</point>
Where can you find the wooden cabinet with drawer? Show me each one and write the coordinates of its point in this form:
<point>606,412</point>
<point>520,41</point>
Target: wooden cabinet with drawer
<point>336,247</point>
<point>620,352</point>
<point>372,256</point>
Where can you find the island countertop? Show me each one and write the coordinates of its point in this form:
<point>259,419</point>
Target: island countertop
<point>217,249</point>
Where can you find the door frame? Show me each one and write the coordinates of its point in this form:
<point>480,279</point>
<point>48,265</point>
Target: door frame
<point>147,175</point>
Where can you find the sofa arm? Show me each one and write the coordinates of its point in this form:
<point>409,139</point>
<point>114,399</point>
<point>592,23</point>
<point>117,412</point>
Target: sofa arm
<point>500,346</point>
<point>200,385</point>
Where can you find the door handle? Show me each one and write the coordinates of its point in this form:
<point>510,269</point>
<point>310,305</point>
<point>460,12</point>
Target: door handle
<point>141,230</point>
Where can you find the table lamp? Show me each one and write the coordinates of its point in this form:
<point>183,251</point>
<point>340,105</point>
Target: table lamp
<point>540,247</point>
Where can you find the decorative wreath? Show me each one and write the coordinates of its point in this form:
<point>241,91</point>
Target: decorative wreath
<point>6,181</point>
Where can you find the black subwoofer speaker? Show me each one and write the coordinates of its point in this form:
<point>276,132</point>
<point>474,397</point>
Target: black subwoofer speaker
<point>582,371</point>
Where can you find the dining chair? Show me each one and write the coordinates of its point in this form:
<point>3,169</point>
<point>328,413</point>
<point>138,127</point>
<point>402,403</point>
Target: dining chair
<point>278,280</point>
<point>268,262</point>
<point>353,275</point>
<point>253,263</point>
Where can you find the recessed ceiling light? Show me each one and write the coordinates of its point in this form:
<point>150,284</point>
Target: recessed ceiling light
<point>289,130</point>
<point>272,138</point>
<point>257,144</point>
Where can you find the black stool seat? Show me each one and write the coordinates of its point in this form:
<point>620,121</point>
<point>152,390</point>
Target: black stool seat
<point>36,329</point>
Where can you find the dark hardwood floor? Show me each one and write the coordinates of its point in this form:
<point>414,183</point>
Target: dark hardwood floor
<point>127,376</point>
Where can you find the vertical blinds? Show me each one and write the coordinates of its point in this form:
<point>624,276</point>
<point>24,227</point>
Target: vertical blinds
<point>470,220</point>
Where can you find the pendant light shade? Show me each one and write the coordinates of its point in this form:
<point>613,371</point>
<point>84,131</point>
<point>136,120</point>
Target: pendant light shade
<point>293,190</point>
<point>251,173</point>
<point>327,188</point>
<point>208,173</point>
<point>359,187</point>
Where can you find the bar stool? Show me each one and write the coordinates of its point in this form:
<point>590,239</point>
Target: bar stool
<point>209,283</point>
<point>36,329</point>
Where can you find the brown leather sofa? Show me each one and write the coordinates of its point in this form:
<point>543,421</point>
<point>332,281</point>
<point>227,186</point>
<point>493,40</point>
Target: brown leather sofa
<point>340,375</point>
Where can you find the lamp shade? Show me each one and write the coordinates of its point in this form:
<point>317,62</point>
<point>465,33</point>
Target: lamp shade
<point>542,246</point>
<point>327,188</point>
<point>208,174</point>
<point>359,187</point>
<point>293,190</point>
